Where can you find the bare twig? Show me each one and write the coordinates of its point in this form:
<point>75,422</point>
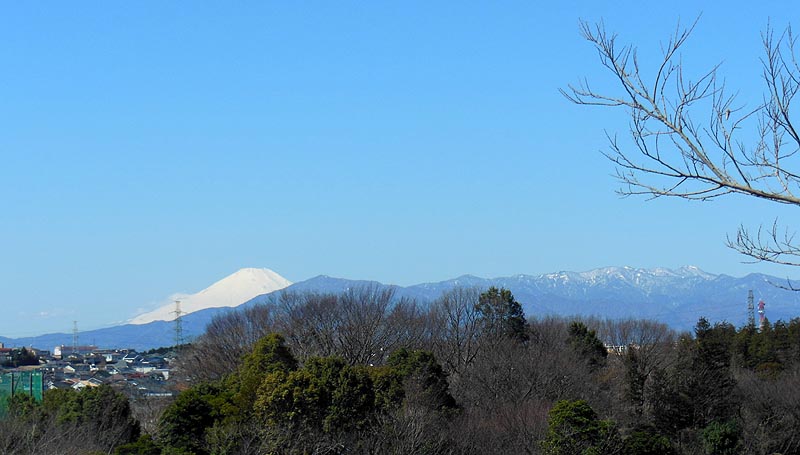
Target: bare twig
<point>674,154</point>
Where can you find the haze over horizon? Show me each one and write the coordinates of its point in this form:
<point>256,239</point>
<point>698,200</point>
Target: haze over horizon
<point>151,149</point>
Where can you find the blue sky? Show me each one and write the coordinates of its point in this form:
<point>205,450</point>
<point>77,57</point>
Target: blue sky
<point>154,147</point>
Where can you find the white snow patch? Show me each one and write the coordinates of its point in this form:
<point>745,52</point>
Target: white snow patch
<point>230,291</point>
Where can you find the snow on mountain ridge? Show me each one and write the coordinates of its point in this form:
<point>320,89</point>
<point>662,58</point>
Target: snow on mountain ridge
<point>631,274</point>
<point>248,283</point>
<point>633,281</point>
<point>231,291</point>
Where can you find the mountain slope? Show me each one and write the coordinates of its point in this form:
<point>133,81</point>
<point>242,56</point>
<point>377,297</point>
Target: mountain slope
<point>676,297</point>
<point>230,291</point>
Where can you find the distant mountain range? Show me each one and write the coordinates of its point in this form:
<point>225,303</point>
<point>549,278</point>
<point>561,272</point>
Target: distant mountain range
<point>676,297</point>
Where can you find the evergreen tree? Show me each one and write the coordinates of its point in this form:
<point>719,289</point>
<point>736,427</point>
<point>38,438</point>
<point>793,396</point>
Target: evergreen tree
<point>326,395</point>
<point>587,345</point>
<point>183,424</point>
<point>646,441</point>
<point>722,438</point>
<point>269,355</point>
<point>423,375</point>
<point>502,315</point>
<point>710,383</point>
<point>670,403</point>
<point>573,428</point>
<point>635,380</point>
<point>794,339</point>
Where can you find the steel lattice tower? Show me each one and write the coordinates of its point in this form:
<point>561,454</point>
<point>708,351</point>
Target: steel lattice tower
<point>74,337</point>
<point>178,324</point>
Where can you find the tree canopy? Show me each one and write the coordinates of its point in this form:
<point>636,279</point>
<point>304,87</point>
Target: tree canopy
<point>502,314</point>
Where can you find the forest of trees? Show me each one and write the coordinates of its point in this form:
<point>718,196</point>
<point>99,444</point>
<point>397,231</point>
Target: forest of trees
<point>362,372</point>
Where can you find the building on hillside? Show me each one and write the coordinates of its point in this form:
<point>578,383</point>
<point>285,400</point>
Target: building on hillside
<point>63,351</point>
<point>110,355</point>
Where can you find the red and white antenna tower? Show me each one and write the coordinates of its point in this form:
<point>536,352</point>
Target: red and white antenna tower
<point>761,315</point>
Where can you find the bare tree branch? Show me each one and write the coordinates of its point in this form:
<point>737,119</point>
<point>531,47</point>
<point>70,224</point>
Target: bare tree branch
<point>675,152</point>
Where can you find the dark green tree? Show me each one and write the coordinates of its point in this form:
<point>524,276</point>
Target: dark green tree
<point>700,387</point>
<point>670,404</point>
<point>743,347</point>
<point>388,386</point>
<point>183,424</point>
<point>722,438</point>
<point>635,380</point>
<point>326,395</point>
<point>574,428</point>
<point>587,345</point>
<point>352,401</point>
<point>502,315</point>
<point>781,342</point>
<point>646,441</point>
<point>423,376</point>
<point>269,355</point>
<point>23,406</point>
<point>143,446</point>
<point>709,379</point>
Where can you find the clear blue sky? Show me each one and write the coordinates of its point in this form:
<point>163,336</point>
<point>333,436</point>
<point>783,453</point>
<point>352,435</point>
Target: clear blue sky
<point>155,147</point>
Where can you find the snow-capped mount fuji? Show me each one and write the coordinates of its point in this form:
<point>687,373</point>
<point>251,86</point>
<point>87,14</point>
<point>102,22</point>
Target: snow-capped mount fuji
<point>231,291</point>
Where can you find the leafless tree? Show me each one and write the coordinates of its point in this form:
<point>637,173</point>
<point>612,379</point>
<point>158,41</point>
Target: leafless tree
<point>508,388</point>
<point>363,334</point>
<point>511,373</point>
<point>771,412</point>
<point>147,411</point>
<point>45,434</point>
<point>361,325</point>
<point>227,338</point>
<point>310,322</point>
<point>653,341</point>
<point>691,138</point>
<point>645,346</point>
<point>456,329</point>
<point>506,428</point>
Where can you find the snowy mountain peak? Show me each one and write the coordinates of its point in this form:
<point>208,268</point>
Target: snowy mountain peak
<point>231,291</point>
<point>631,273</point>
